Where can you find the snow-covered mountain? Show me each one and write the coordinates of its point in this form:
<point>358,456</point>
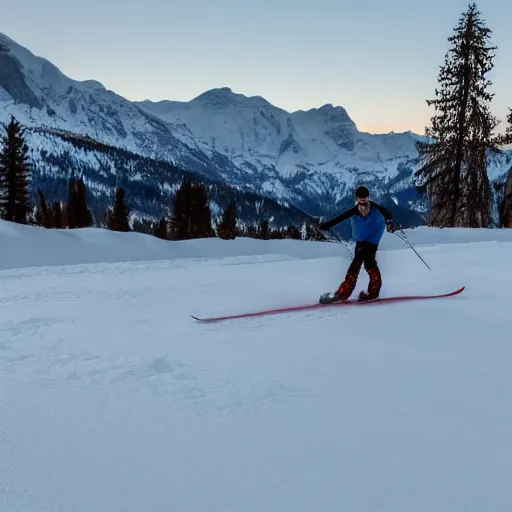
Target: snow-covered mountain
<point>38,94</point>
<point>150,184</point>
<point>77,126</point>
<point>315,157</point>
<point>256,134</point>
<point>311,159</point>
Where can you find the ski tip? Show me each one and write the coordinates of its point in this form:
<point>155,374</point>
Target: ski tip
<point>206,320</point>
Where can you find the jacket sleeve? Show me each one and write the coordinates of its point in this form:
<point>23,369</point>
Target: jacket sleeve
<point>345,215</point>
<point>385,212</point>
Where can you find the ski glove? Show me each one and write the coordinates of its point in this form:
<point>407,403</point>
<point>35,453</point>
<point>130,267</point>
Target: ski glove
<point>390,227</point>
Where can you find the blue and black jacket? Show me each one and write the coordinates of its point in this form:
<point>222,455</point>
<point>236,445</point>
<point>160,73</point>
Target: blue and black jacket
<point>369,228</point>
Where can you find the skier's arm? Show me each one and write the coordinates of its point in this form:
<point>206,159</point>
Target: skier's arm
<point>345,215</point>
<point>387,216</point>
<point>385,212</point>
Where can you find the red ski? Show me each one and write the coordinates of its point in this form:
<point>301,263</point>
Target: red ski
<point>333,305</point>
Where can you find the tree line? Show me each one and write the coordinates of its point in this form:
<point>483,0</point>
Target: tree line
<point>453,161</point>
<point>190,216</point>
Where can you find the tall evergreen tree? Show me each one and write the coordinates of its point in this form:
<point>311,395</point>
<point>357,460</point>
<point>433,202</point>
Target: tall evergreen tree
<point>78,214</point>
<point>70,207</point>
<point>14,174</point>
<point>180,219</point>
<point>201,213</point>
<point>43,213</point>
<point>191,217</point>
<point>84,214</point>
<point>58,221</point>
<point>508,132</point>
<point>118,215</point>
<point>453,163</point>
<point>227,226</point>
<point>506,206</point>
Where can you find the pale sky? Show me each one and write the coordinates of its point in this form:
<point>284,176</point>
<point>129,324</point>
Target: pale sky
<point>377,59</point>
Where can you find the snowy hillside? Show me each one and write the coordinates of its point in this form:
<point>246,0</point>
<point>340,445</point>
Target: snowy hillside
<point>150,184</point>
<point>114,399</point>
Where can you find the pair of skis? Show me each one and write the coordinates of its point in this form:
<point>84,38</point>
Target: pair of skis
<point>319,305</point>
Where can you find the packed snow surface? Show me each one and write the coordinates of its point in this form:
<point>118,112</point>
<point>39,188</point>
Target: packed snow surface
<point>113,399</point>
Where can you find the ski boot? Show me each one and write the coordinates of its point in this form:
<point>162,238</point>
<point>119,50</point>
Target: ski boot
<point>344,291</point>
<point>365,297</point>
<point>328,298</point>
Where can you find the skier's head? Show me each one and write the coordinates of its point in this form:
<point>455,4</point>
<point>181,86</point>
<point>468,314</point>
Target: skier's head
<point>363,199</point>
<point>362,193</point>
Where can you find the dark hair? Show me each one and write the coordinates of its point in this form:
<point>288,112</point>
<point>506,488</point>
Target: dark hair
<point>362,191</point>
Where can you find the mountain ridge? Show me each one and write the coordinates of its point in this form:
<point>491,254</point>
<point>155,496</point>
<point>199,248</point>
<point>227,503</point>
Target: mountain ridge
<point>311,158</point>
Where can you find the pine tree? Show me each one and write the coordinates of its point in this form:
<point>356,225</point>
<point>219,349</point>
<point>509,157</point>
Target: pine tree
<point>78,215</point>
<point>142,225</point>
<point>227,226</point>
<point>191,217</point>
<point>70,205</point>
<point>264,231</point>
<point>14,174</point>
<point>84,214</point>
<point>57,216</point>
<point>275,234</point>
<point>508,132</point>
<point>180,219</point>
<point>506,206</point>
<point>201,213</point>
<point>160,230</point>
<point>43,213</point>
<point>294,232</point>
<point>118,215</point>
<point>252,231</point>
<point>453,163</point>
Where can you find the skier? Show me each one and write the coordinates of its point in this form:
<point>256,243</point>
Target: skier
<point>370,219</point>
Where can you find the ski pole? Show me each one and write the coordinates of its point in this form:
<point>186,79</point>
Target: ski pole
<point>328,234</point>
<point>340,241</point>
<point>404,238</point>
<point>307,214</point>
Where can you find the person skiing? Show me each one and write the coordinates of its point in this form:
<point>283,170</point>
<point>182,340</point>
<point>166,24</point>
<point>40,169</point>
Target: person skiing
<point>370,219</point>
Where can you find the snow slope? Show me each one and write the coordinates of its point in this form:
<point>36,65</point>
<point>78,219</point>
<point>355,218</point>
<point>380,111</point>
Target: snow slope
<point>114,399</point>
